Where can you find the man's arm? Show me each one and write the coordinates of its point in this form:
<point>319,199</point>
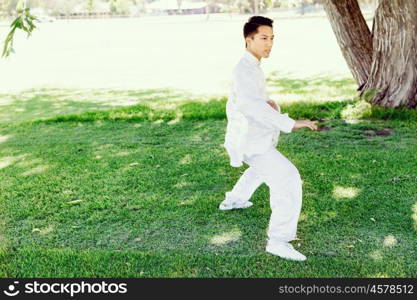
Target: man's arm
<point>273,105</point>
<point>252,104</point>
<point>298,124</point>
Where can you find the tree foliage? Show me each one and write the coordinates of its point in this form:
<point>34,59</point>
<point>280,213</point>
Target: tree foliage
<point>24,21</point>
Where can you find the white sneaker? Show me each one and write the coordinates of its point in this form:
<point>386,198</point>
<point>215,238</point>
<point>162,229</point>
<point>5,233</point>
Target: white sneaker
<point>285,250</point>
<point>228,205</point>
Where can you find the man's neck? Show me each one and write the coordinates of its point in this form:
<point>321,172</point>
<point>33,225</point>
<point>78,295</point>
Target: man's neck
<point>258,58</point>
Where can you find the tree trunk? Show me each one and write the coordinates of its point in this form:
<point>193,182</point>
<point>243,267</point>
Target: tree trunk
<point>207,9</point>
<point>353,35</point>
<point>256,7</point>
<point>393,76</point>
<point>179,3</point>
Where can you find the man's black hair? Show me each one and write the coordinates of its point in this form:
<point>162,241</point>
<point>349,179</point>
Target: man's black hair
<point>251,27</point>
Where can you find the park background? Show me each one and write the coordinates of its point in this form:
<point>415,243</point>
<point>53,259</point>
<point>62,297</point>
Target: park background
<point>111,125</point>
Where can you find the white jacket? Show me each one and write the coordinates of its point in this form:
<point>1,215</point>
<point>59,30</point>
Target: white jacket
<point>253,126</point>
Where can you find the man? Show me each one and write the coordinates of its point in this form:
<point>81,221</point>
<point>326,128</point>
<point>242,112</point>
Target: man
<point>254,124</point>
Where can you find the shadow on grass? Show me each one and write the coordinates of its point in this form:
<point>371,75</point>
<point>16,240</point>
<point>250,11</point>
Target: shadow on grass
<point>316,88</point>
<point>214,109</point>
<point>135,174</point>
<point>296,86</point>
<point>314,99</point>
<point>152,188</point>
<point>45,103</point>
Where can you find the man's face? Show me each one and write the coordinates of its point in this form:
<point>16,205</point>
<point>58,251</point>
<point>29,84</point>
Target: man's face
<point>260,44</point>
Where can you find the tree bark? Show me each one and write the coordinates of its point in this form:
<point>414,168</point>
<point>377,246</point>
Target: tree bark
<point>393,77</point>
<point>207,10</point>
<point>353,35</point>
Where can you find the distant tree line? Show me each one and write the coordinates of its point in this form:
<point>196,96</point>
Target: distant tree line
<point>57,7</point>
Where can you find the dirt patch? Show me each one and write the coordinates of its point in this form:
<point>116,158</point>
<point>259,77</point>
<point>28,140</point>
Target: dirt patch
<point>323,128</point>
<point>381,132</point>
<point>320,125</point>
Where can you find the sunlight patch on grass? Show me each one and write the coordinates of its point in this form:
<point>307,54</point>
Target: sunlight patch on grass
<point>320,89</point>
<point>27,163</point>
<point>376,255</point>
<point>380,275</point>
<point>175,121</point>
<point>181,184</point>
<point>196,138</point>
<point>185,273</point>
<point>186,202</point>
<point>36,170</point>
<point>340,192</point>
<point>358,110</point>
<point>3,240</point>
<point>164,106</point>
<point>106,151</point>
<point>178,117</point>
<point>352,121</point>
<point>186,160</point>
<point>6,100</point>
<point>390,241</point>
<point>100,97</point>
<point>43,231</point>
<point>105,146</point>
<point>123,153</point>
<point>414,215</point>
<point>4,138</point>
<point>8,160</point>
<point>226,237</point>
<point>303,217</point>
<point>329,215</point>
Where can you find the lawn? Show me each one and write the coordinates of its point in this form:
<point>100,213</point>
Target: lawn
<point>127,184</point>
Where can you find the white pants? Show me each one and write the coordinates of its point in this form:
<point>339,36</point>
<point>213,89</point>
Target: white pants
<point>284,182</point>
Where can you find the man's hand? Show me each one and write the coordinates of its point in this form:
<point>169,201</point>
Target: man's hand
<point>305,123</point>
<point>273,105</point>
<point>298,124</point>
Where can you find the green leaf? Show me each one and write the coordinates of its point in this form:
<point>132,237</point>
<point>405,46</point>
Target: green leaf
<point>25,22</point>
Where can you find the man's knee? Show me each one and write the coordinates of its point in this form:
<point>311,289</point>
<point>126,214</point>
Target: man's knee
<point>282,177</point>
<point>294,173</point>
<point>291,173</point>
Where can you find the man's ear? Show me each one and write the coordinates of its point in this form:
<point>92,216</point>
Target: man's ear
<point>247,40</point>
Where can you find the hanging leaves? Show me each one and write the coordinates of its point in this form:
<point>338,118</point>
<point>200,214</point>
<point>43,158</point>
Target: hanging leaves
<point>24,21</point>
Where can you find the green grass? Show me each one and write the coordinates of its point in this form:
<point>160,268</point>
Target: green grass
<point>133,191</point>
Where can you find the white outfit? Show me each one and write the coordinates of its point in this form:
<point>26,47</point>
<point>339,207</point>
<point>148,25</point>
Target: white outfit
<point>251,136</point>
